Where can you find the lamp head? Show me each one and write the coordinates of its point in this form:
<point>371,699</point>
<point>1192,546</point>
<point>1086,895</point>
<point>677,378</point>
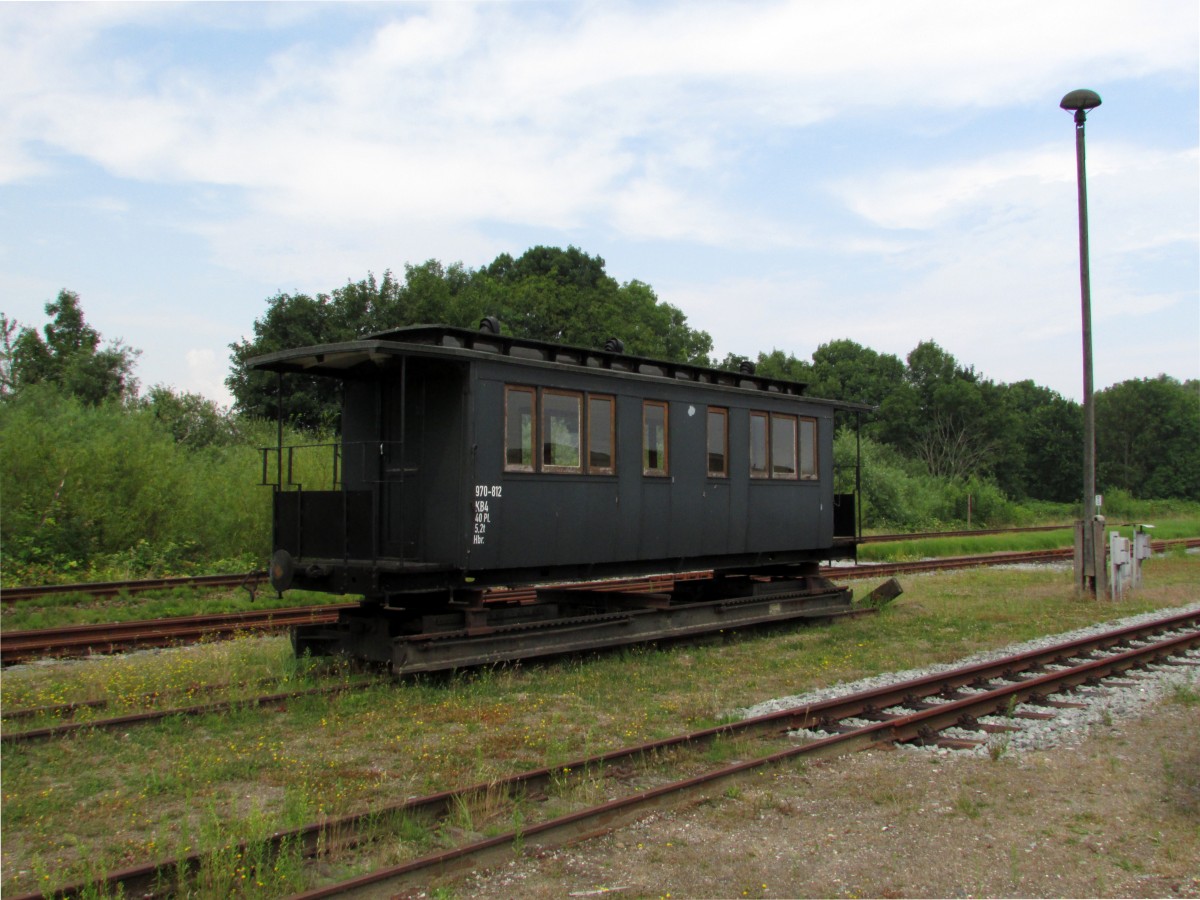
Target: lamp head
<point>1081,99</point>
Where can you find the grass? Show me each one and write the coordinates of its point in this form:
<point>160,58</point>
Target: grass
<point>103,800</point>
<point>75,609</point>
<point>68,609</point>
<point>924,548</point>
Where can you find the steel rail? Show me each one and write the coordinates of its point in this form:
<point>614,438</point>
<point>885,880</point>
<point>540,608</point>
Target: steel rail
<point>18,646</point>
<point>70,708</point>
<point>954,709</point>
<point>156,715</point>
<point>1002,558</point>
<point>597,820</point>
<point>135,586</point>
<point>114,588</point>
<point>81,640</point>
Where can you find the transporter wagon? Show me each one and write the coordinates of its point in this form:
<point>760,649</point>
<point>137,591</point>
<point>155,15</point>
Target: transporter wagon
<point>473,466</point>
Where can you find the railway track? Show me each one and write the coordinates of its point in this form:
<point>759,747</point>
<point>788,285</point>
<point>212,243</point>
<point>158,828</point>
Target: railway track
<point>248,580</point>
<point>84,640</point>
<point>62,729</point>
<point>981,698</point>
<point>252,580</point>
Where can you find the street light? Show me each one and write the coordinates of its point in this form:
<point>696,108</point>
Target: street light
<point>1089,569</point>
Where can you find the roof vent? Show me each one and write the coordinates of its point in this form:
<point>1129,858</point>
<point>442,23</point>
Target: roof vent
<point>614,345</point>
<point>490,324</point>
<point>746,367</point>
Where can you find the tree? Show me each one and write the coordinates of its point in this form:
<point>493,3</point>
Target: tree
<point>1148,438</point>
<point>565,296</point>
<point>564,267</point>
<point>292,320</point>
<point>1049,430</point>
<point>69,356</point>
<point>194,421</point>
<point>546,294</point>
<point>778,364</point>
<point>844,370</point>
<point>946,416</point>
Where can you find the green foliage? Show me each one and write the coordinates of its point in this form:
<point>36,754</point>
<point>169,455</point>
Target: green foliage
<point>1045,457</point>
<point>1121,506</point>
<point>898,494</point>
<point>546,294</point>
<point>844,370</point>
<point>995,442</point>
<point>94,478</point>
<point>945,416</point>
<point>193,421</point>
<point>777,364</point>
<point>88,483</point>
<point>1148,437</point>
<point>69,357</point>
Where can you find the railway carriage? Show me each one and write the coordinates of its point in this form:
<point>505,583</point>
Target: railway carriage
<point>470,460</point>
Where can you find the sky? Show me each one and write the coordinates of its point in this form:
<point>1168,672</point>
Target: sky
<point>785,173</point>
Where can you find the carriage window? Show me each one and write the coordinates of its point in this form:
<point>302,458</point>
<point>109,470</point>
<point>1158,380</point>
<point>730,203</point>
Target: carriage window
<point>561,432</point>
<point>601,434</point>
<point>718,442</point>
<point>758,445</point>
<point>654,437</point>
<point>808,448</point>
<point>783,446</point>
<point>518,429</point>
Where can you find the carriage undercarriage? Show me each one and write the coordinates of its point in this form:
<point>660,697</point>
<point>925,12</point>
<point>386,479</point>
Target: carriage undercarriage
<point>571,619</point>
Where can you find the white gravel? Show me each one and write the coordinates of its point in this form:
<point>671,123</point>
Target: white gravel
<point>1067,727</point>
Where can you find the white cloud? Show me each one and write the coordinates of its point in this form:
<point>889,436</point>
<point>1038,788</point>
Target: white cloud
<point>463,107</point>
<point>430,130</point>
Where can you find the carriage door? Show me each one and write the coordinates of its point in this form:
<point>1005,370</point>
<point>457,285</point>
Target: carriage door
<point>422,459</point>
<point>402,399</point>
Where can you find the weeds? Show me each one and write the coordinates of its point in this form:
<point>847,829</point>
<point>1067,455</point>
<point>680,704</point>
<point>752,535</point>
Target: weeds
<point>969,805</point>
<point>998,747</point>
<point>153,791</point>
<point>1185,695</point>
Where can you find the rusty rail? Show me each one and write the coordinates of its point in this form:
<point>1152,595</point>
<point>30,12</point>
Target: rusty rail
<point>136,586</point>
<point>82,640</point>
<point>257,577</point>
<point>1022,677</point>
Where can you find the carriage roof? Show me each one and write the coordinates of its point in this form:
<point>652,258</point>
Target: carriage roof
<point>382,350</point>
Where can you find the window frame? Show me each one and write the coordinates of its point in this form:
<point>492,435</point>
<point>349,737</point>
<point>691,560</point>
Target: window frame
<point>793,428</point>
<point>815,473</point>
<point>664,470</point>
<point>611,401</point>
<point>545,413</point>
<point>510,390</point>
<point>722,413</point>
<point>763,472</point>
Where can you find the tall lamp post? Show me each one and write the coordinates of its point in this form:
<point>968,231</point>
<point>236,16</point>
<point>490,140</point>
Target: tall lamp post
<point>1088,567</point>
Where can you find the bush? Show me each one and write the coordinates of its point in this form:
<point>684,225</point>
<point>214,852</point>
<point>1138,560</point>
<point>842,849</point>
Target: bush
<point>88,488</point>
<point>899,495</point>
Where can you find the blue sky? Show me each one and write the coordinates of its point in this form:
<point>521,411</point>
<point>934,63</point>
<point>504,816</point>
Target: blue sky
<point>786,173</point>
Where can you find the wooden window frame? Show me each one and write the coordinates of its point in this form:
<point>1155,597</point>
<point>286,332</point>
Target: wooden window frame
<point>723,413</point>
<point>765,471</point>
<point>665,469</point>
<point>792,425</point>
<point>815,472</point>
<point>509,391</point>
<point>611,468</point>
<point>544,412</point>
